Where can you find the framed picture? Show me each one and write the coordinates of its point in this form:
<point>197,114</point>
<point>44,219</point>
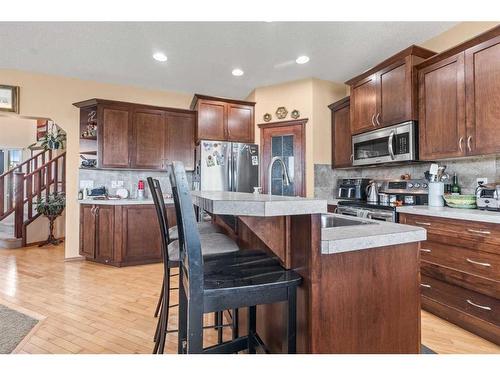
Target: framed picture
<point>9,98</point>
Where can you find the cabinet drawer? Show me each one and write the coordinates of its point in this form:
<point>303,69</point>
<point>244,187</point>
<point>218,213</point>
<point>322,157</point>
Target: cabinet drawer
<point>467,260</point>
<point>475,304</point>
<point>461,229</point>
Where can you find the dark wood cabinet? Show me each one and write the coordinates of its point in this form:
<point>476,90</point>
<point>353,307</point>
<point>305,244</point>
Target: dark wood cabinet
<point>148,139</point>
<point>459,263</point>
<point>136,136</point>
<point>442,109</point>
<point>387,93</point>
<point>341,134</point>
<point>114,142</point>
<point>181,129</point>
<point>121,235</point>
<point>459,96</point>
<point>221,119</point>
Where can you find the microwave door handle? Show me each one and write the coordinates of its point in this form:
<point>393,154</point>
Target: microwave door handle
<point>389,144</point>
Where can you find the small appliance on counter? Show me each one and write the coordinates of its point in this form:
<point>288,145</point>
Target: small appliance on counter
<point>488,197</point>
<point>352,188</point>
<point>140,190</point>
<point>372,192</point>
<point>97,192</point>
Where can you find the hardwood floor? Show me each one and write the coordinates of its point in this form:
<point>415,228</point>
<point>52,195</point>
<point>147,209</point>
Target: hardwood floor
<point>92,308</point>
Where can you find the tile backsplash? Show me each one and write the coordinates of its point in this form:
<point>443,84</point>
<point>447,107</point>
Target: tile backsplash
<point>130,179</point>
<point>468,169</point>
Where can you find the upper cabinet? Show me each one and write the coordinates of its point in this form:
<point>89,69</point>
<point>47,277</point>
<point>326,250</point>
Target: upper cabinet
<point>224,119</point>
<point>341,134</point>
<point>459,97</point>
<point>386,94</point>
<point>136,136</point>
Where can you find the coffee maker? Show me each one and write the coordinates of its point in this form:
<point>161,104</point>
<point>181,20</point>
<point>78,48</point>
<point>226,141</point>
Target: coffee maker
<point>352,188</point>
<point>488,197</point>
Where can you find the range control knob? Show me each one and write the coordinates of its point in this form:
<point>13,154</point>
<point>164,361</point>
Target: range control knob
<point>417,185</point>
<point>424,186</point>
<point>410,185</point>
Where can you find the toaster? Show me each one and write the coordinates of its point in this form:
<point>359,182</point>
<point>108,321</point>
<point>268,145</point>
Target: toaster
<point>488,197</point>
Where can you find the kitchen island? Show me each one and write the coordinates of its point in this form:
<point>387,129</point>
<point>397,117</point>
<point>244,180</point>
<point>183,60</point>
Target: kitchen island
<point>361,279</point>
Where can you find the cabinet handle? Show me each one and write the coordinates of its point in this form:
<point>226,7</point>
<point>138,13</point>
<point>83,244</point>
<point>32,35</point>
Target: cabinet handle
<point>377,119</point>
<point>460,142</point>
<point>478,306</point>
<point>478,231</point>
<point>423,223</point>
<point>352,157</point>
<point>478,263</point>
<point>373,120</point>
<point>425,285</point>
<point>469,139</point>
<point>425,250</point>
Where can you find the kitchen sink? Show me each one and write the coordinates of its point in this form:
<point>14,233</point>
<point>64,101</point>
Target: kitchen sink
<point>332,221</point>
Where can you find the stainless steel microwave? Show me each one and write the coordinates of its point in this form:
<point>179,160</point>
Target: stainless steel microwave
<point>395,143</point>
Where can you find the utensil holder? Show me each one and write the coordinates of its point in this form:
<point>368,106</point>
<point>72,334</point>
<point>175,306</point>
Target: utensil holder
<point>436,192</point>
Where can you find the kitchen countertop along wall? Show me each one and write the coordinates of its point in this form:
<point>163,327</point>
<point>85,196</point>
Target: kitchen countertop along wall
<point>468,169</point>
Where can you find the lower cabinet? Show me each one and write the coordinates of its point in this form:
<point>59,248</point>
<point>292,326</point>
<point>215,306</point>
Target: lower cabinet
<point>460,272</point>
<point>121,235</point>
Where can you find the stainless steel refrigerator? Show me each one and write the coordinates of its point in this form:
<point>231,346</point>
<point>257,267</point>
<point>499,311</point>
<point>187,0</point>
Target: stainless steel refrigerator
<point>226,166</point>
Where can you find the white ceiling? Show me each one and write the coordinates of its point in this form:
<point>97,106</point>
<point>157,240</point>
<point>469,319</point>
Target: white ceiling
<point>201,55</point>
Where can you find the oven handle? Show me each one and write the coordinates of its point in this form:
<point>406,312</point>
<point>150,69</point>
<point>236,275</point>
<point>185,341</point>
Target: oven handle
<point>389,143</point>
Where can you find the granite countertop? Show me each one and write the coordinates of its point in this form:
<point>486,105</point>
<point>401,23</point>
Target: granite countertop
<point>452,213</point>
<point>121,202</point>
<point>333,201</point>
<point>358,237</point>
<point>249,204</point>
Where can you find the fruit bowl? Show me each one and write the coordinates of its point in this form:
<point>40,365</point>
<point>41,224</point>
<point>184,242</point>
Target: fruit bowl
<point>460,201</point>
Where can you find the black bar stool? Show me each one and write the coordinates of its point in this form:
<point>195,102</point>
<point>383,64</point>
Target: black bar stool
<point>224,281</point>
<point>212,243</point>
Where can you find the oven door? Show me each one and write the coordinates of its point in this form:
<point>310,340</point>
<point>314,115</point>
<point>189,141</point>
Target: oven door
<point>392,144</point>
<point>382,215</point>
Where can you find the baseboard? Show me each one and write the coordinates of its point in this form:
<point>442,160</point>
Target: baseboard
<point>73,259</point>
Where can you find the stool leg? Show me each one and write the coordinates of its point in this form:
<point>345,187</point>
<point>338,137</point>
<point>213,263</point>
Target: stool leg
<point>220,321</point>
<point>166,311</point>
<point>182,335</point>
<point>158,305</point>
<point>235,324</point>
<point>194,328</point>
<point>292,321</point>
<point>252,324</point>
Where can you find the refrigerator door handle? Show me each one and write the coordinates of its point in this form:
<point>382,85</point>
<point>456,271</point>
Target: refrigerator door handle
<point>230,167</point>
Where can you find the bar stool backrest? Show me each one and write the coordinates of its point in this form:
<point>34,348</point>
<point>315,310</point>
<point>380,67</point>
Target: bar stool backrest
<point>191,259</point>
<point>161,213</point>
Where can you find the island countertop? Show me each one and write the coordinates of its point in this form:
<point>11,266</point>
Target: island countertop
<point>263,205</point>
<point>369,235</point>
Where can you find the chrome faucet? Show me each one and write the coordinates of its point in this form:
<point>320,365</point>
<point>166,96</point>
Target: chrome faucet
<point>286,179</point>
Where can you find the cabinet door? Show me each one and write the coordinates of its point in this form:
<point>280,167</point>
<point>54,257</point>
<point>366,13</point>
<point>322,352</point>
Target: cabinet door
<point>211,120</point>
<point>180,138</point>
<point>113,136</point>
<point>148,139</point>
<point>105,229</point>
<point>442,109</point>
<point>341,137</point>
<point>363,105</point>
<point>482,77</point>
<point>240,123</point>
<point>394,94</point>
<point>87,230</point>
<point>141,234</point>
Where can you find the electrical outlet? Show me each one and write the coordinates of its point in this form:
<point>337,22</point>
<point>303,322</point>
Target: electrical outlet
<point>116,184</point>
<point>481,180</point>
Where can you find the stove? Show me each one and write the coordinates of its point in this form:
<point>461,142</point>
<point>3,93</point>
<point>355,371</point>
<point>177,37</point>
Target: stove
<point>392,193</point>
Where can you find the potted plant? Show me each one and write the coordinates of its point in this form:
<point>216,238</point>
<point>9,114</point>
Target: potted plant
<point>54,139</point>
<point>51,207</point>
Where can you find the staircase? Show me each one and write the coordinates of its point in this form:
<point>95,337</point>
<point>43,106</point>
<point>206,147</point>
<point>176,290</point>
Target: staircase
<point>21,187</point>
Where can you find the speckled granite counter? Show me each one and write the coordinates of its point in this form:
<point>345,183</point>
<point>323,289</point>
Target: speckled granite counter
<point>452,213</point>
<point>262,205</point>
<point>365,236</point>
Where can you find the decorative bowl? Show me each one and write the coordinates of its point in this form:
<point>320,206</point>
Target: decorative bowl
<point>460,201</point>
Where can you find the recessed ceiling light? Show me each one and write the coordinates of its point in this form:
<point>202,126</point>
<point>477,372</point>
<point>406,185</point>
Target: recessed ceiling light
<point>302,59</point>
<point>160,56</point>
<point>237,72</point>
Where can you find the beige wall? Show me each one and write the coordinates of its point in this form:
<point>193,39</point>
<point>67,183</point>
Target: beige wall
<point>311,98</point>
<point>457,34</point>
<point>52,97</point>
<point>17,133</point>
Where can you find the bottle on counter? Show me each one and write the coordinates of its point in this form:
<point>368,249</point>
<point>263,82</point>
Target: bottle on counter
<point>140,190</point>
<point>455,187</point>
<point>80,194</point>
